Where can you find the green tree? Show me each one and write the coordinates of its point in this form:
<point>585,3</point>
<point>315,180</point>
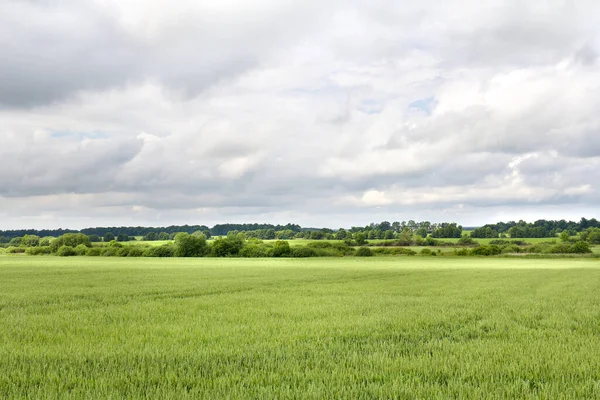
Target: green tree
<point>359,238</point>
<point>65,251</point>
<point>227,247</point>
<point>187,245</point>
<point>164,236</point>
<point>108,236</point>
<point>46,240</point>
<point>30,241</point>
<point>281,248</point>
<point>70,240</point>
<point>405,237</point>
<point>151,236</point>
<point>421,232</point>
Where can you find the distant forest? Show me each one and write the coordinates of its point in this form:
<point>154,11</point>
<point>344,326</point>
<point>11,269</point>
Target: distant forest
<point>538,229</point>
<point>382,230</point>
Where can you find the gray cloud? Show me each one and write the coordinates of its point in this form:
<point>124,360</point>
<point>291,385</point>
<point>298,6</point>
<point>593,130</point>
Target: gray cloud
<point>336,114</point>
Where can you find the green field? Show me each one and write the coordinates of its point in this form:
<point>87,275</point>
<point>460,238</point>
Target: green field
<point>411,327</point>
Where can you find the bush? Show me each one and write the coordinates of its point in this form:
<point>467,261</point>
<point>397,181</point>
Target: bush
<point>427,252</point>
<point>136,251</point>
<point>328,252</point>
<point>364,252</point>
<point>30,241</point>
<point>430,241</point>
<point>227,247</point>
<point>38,251</point>
<point>343,248</point>
<point>70,240</point>
<point>166,250</point>
<point>504,242</point>
<point>461,252</point>
<point>580,247</point>
<point>81,250</point>
<point>466,240</point>
<point>65,251</point>
<point>394,251</point>
<point>281,248</point>
<point>320,245</point>
<point>187,245</point>
<point>303,252</point>
<point>123,251</point>
<point>255,250</point>
<point>15,250</point>
<point>511,249</point>
<point>45,241</point>
<point>110,251</point>
<point>94,252</point>
<point>492,250</point>
<point>16,241</point>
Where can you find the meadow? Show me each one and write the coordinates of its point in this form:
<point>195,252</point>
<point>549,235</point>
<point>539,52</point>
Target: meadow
<point>406,327</point>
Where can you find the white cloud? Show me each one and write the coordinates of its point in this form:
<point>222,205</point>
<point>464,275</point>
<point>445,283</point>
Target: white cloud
<point>300,111</point>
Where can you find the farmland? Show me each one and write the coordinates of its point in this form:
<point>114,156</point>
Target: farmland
<point>311,328</point>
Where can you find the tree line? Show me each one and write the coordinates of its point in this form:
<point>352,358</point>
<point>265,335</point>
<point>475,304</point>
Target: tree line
<point>239,245</point>
<point>539,229</point>
<point>382,230</point>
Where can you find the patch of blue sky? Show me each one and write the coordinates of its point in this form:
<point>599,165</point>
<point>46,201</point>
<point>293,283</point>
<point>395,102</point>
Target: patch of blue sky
<point>426,105</point>
<point>371,106</point>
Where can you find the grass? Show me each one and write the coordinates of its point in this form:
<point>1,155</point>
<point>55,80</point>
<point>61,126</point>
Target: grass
<point>311,328</point>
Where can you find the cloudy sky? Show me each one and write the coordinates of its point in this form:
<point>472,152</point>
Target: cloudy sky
<point>323,113</point>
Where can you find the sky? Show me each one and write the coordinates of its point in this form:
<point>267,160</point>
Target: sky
<point>322,113</point>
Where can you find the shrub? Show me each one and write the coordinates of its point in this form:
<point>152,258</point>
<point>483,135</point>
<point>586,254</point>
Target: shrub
<point>37,251</point>
<point>461,252</point>
<point>71,240</point>
<point>15,250</point>
<point>511,249</point>
<point>320,245</point>
<point>45,241</point>
<point>491,250</point>
<point>16,241</point>
<point>281,248</point>
<point>504,242</point>
<point>343,248</point>
<point>350,242</point>
<point>364,252</point>
<point>580,247</point>
<point>328,252</point>
<point>166,250</point>
<point>255,250</point>
<point>136,251</point>
<point>303,252</point>
<point>187,245</point>
<point>123,251</point>
<point>466,240</point>
<point>81,250</point>
<point>30,241</point>
<point>430,241</point>
<point>427,252</point>
<point>394,251</point>
<point>110,251</point>
<point>94,251</point>
<point>227,247</point>
<point>65,251</point>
